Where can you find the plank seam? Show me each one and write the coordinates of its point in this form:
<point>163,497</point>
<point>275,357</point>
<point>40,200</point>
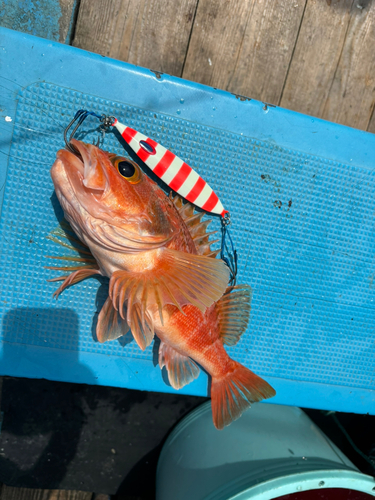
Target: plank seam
<point>133,32</point>
<point>291,57</point>
<point>372,115</point>
<point>190,35</point>
<point>74,22</point>
<point>339,60</point>
<point>228,86</point>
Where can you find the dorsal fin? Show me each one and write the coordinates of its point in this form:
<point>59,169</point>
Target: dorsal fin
<point>196,227</point>
<point>234,311</point>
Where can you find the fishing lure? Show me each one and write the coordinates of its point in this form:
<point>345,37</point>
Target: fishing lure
<point>173,171</point>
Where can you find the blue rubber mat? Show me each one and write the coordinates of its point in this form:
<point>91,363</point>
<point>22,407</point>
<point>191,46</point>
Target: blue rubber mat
<point>300,192</point>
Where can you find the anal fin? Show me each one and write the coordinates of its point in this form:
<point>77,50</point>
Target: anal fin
<point>181,369</point>
<point>110,325</point>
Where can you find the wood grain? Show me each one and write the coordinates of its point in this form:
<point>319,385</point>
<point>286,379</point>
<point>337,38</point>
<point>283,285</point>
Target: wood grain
<point>332,74</point>
<point>244,46</point>
<point>316,56</point>
<point>351,97</point>
<point>150,33</point>
<point>11,493</point>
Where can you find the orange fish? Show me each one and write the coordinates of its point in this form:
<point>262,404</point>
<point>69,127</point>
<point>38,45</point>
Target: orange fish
<point>164,278</point>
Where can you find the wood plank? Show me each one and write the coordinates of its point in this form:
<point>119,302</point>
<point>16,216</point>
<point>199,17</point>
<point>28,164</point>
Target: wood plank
<point>316,56</point>
<point>351,98</point>
<point>244,46</point>
<point>332,74</point>
<point>150,33</point>
<point>11,493</point>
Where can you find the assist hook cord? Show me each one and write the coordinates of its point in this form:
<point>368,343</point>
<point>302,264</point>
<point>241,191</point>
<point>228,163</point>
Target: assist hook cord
<point>228,255</point>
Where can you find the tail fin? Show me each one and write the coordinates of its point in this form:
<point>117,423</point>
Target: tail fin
<point>232,394</point>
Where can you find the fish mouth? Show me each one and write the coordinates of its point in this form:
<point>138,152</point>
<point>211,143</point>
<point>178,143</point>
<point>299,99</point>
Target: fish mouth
<point>90,167</point>
<point>85,170</point>
<point>78,152</point>
<point>80,178</point>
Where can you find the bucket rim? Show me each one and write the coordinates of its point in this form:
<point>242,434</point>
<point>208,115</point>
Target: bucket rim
<point>295,483</point>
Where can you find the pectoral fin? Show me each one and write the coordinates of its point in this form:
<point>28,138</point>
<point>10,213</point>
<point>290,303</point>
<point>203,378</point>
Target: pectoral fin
<point>142,326</point>
<point>73,278</point>
<point>178,279</point>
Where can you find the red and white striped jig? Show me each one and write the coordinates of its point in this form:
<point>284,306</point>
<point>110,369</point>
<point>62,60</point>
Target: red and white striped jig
<point>177,174</point>
<point>173,171</point>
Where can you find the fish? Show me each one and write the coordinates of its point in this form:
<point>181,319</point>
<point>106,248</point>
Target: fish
<point>164,279</point>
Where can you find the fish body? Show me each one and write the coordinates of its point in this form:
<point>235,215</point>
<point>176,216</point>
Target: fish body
<point>164,278</point>
<point>193,335</point>
<point>135,233</point>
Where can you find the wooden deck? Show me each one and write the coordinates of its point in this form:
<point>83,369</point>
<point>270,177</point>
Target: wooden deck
<point>312,56</point>
<point>9,493</point>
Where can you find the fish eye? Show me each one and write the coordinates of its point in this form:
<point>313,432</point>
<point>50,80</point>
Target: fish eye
<point>127,169</point>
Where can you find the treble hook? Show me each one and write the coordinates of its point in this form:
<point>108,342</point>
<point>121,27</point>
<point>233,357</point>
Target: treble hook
<point>80,117</point>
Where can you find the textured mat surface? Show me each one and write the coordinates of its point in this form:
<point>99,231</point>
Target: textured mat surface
<point>303,225</point>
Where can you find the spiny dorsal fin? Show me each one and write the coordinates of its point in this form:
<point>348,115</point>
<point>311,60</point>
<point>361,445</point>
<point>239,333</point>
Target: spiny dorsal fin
<point>196,227</point>
<point>177,200</point>
<point>234,312</point>
<point>181,369</point>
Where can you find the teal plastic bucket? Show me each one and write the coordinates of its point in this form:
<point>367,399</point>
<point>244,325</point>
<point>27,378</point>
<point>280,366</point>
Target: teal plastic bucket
<point>270,452</point>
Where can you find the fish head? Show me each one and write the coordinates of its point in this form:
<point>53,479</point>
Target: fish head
<point>97,189</point>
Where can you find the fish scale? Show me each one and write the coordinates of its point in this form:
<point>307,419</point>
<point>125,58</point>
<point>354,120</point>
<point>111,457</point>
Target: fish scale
<point>177,174</point>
